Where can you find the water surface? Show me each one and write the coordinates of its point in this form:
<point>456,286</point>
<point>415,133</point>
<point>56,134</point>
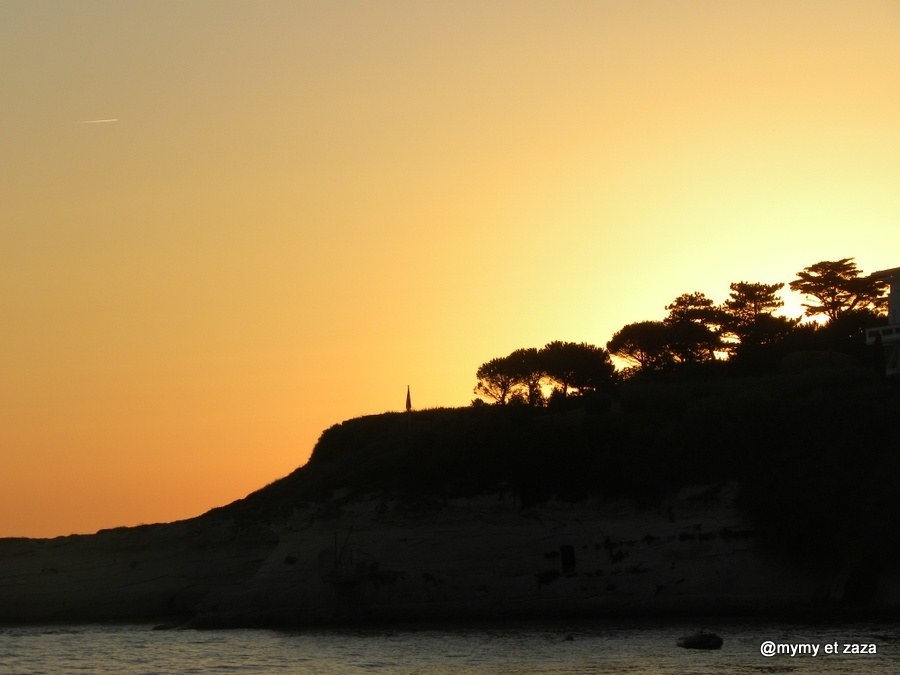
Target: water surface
<point>516,647</point>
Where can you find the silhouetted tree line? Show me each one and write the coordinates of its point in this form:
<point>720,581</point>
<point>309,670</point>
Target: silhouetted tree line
<point>741,336</point>
<point>563,368</point>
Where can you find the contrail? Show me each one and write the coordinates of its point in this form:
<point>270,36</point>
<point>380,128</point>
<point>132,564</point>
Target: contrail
<point>112,119</point>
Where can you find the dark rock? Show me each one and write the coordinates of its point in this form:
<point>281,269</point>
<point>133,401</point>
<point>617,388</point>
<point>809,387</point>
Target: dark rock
<point>701,640</point>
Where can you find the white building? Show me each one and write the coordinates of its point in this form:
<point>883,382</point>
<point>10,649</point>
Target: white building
<point>890,334</point>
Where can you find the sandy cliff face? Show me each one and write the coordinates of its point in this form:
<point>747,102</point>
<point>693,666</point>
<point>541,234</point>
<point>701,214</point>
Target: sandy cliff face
<point>489,557</point>
<point>142,572</point>
<point>374,559</point>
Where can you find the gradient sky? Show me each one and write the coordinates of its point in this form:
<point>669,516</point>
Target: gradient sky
<point>294,209</point>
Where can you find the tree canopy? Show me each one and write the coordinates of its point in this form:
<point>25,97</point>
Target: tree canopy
<point>496,379</point>
<point>643,344</point>
<point>749,315</point>
<point>566,367</point>
<point>743,331</point>
<point>695,328</point>
<point>836,287</point>
<point>747,301</point>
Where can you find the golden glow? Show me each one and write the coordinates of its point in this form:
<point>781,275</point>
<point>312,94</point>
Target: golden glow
<point>301,208</point>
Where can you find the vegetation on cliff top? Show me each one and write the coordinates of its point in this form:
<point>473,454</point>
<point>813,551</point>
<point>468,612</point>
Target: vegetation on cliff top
<point>741,336</point>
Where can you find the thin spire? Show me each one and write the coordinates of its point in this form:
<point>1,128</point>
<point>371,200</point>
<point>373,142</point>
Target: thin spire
<point>408,400</point>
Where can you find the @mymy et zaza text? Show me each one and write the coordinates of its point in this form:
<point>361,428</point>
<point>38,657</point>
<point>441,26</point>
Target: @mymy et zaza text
<point>770,648</point>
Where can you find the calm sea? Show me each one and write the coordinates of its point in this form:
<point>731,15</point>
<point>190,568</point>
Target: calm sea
<point>559,647</point>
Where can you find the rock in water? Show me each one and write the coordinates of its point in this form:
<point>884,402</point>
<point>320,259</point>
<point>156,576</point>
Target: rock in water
<point>701,640</point>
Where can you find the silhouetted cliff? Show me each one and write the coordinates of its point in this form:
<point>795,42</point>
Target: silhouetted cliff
<point>816,454</point>
<point>763,494</point>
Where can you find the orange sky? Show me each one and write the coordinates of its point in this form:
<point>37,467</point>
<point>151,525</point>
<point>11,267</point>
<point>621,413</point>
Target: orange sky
<point>302,207</point>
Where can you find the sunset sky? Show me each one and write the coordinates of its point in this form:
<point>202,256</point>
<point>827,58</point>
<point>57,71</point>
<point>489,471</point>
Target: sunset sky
<point>225,226</point>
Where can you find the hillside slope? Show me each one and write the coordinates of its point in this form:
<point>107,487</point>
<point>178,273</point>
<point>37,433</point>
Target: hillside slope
<point>766,494</point>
